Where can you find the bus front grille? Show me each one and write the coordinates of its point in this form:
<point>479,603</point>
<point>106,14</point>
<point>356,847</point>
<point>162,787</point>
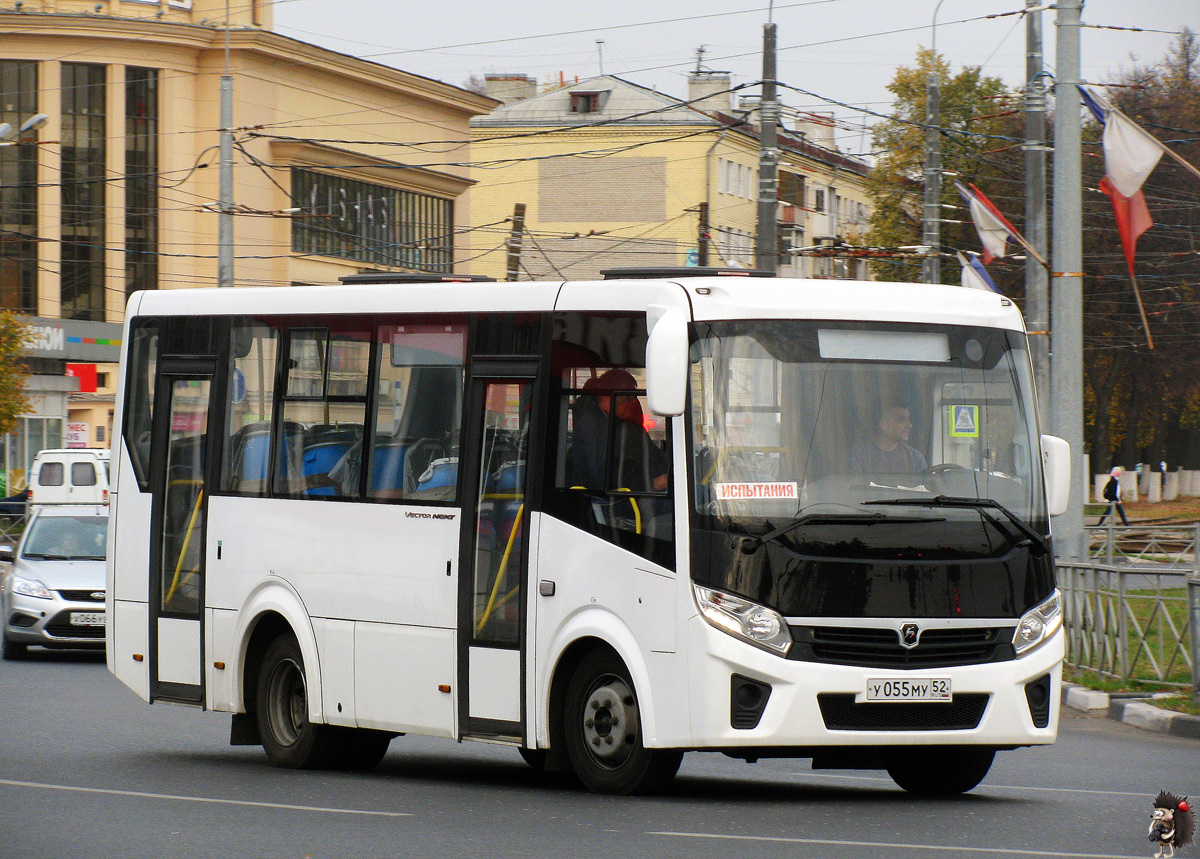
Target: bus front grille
<point>842,713</point>
<point>881,648</point>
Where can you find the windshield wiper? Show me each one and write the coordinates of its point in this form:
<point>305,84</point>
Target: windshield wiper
<point>752,542</point>
<point>43,557</point>
<point>982,505</point>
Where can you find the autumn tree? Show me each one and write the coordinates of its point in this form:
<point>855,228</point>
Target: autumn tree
<point>14,337</point>
<point>980,140</point>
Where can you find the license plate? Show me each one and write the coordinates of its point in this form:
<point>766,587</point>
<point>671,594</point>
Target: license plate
<point>87,618</point>
<point>908,689</point>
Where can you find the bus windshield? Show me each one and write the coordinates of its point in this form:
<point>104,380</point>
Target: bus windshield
<point>829,422</point>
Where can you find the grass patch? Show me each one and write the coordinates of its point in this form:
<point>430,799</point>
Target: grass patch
<point>1180,704</point>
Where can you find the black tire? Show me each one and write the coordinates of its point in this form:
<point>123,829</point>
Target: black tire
<point>938,770</point>
<point>360,749</point>
<point>288,737</point>
<point>603,731</point>
<point>13,650</point>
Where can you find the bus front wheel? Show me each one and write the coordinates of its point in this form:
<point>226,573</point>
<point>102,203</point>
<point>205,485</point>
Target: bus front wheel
<point>604,732</point>
<point>938,770</point>
<point>288,737</point>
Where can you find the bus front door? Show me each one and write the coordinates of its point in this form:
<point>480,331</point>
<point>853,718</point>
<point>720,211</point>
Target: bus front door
<point>178,473</point>
<point>495,550</point>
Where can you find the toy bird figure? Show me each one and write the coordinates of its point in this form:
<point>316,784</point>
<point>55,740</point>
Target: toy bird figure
<point>1172,825</point>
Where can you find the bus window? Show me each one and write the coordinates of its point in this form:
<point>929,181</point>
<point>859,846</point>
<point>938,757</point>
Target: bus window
<point>418,410</point>
<point>324,408</point>
<point>139,398</point>
<point>251,389</point>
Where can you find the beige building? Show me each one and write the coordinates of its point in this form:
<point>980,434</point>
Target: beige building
<point>119,190</point>
<point>612,174</point>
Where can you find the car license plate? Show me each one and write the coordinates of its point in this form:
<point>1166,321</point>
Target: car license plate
<point>908,689</point>
<point>87,618</point>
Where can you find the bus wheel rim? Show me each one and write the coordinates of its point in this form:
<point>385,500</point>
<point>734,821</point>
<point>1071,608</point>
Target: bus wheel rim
<point>610,722</point>
<point>288,702</point>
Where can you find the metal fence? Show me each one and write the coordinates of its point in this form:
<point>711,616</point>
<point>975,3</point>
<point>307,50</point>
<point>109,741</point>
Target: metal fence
<point>1161,545</point>
<point>1133,621</point>
<point>11,528</point>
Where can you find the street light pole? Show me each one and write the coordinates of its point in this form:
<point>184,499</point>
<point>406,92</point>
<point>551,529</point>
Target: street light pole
<point>1037,281</point>
<point>931,233</point>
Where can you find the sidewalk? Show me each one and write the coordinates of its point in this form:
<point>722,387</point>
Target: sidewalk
<point>1131,711</point>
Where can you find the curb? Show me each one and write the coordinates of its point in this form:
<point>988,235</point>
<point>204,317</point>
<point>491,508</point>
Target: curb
<point>1132,711</point>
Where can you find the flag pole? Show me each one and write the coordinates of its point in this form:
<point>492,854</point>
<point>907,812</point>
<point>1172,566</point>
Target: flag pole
<point>1137,293</point>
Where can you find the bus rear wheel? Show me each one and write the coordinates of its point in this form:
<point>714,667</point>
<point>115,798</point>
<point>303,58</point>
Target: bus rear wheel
<point>938,770</point>
<point>603,731</point>
<point>288,737</point>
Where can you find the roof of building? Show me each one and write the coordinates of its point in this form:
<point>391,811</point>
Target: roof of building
<point>620,102</point>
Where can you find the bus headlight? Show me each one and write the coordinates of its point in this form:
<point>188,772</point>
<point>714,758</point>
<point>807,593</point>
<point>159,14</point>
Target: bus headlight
<point>743,619</point>
<point>1038,624</point>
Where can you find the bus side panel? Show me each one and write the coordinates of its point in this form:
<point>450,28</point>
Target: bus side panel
<point>397,672</point>
<point>606,592</point>
<point>128,588</point>
<point>129,631</point>
<point>377,583</point>
<point>219,630</point>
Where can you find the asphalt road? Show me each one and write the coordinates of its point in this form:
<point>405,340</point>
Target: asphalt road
<point>88,771</point>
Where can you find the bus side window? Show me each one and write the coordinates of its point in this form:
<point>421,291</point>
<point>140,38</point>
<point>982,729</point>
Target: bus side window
<point>324,407</point>
<point>247,442</point>
<point>140,378</point>
<point>418,409</point>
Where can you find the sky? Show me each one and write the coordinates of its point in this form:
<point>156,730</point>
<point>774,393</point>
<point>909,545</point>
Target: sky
<point>842,53</point>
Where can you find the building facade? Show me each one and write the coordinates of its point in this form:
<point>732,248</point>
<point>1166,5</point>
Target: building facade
<point>119,190</point>
<point>612,174</point>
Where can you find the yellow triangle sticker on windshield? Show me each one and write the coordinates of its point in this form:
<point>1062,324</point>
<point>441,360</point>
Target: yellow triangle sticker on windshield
<point>964,421</point>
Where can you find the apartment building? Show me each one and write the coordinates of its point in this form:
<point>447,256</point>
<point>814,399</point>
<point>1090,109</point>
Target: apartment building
<point>613,174</point>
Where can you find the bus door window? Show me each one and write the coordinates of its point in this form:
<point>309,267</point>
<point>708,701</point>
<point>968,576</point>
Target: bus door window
<point>501,515</point>
<point>418,410</point>
<point>251,390</point>
<point>181,574</point>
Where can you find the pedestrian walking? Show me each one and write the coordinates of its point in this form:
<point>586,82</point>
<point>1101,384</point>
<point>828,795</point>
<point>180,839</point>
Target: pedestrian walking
<point>1112,494</point>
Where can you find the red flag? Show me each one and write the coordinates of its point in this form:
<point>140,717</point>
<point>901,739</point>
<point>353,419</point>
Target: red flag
<point>1133,218</point>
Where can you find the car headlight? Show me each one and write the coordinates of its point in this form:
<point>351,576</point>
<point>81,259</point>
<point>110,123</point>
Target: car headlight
<point>31,588</point>
<point>1038,624</point>
<point>743,619</point>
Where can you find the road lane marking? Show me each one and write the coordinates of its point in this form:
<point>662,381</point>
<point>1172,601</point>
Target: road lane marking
<point>1008,851</point>
<point>176,798</point>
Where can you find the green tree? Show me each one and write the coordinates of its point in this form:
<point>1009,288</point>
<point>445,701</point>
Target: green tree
<point>980,142</point>
<point>14,337</point>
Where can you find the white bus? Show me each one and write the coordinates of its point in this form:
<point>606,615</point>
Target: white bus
<point>603,522</point>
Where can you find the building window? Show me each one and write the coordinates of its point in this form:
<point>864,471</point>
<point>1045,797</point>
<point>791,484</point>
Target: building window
<point>371,223</point>
<point>18,190</point>
<point>818,200</point>
<point>585,102</point>
<point>84,182</point>
<point>791,189</point>
<point>141,179</point>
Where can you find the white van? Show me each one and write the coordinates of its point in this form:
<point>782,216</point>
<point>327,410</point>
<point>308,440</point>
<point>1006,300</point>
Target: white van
<point>69,476</point>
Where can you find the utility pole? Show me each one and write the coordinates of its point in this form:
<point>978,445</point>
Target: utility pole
<point>702,234</point>
<point>1066,344</point>
<point>767,250</point>
<point>225,180</point>
<point>514,242</point>
<point>1037,281</point>
<point>931,220</point>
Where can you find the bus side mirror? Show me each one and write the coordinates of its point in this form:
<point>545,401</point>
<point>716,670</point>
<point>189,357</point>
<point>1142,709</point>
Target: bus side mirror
<point>667,365</point>
<point>1056,471</point>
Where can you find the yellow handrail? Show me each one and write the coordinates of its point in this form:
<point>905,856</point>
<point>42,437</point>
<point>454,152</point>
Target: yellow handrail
<point>512,537</point>
<point>187,539</point>
<point>637,513</point>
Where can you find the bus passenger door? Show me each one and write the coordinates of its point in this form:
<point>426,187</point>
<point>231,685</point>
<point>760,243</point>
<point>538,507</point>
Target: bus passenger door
<point>493,578</point>
<point>178,465</point>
